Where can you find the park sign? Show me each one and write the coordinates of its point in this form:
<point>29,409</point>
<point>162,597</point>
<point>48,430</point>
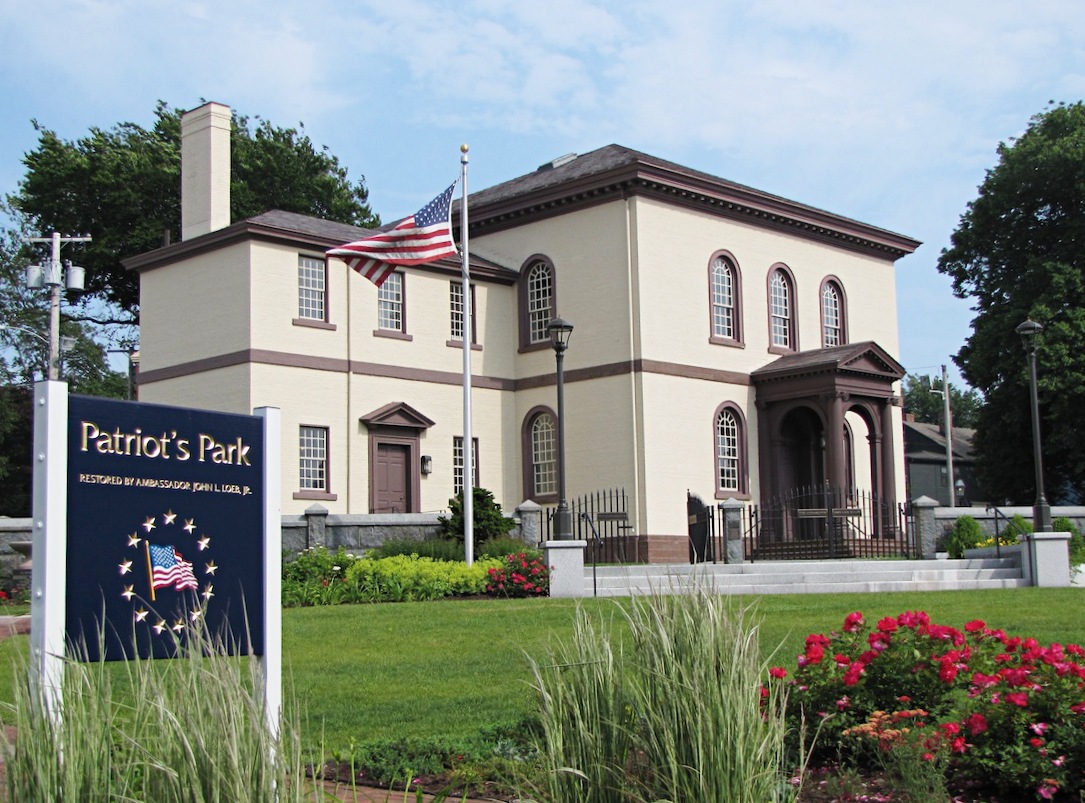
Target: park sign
<point>151,522</point>
<point>165,526</point>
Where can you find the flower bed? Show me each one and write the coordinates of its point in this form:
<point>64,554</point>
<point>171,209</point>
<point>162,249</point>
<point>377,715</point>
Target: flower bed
<point>932,703</point>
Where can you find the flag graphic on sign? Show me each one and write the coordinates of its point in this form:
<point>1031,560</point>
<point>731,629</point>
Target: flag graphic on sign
<point>169,569</point>
<point>425,236</point>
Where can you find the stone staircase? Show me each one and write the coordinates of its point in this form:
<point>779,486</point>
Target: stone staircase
<point>807,577</point>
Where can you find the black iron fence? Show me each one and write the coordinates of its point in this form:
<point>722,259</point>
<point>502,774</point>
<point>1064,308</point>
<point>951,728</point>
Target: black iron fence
<point>810,523</point>
<point>602,519</point>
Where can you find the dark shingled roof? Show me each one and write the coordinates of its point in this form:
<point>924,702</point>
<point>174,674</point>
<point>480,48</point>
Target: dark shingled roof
<point>865,357</point>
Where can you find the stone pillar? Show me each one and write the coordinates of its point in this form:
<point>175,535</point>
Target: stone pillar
<point>927,528</point>
<point>1049,558</point>
<point>316,534</point>
<point>732,531</point>
<point>566,562</point>
<point>530,522</point>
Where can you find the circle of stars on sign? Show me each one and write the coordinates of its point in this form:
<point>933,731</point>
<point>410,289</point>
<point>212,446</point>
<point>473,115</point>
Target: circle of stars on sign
<point>141,614</point>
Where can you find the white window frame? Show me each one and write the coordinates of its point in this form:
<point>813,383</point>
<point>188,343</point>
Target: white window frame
<point>312,288</point>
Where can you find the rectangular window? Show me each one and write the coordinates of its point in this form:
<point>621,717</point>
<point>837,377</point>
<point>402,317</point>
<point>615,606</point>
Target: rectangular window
<point>312,278</point>
<point>457,463</point>
<point>455,295</point>
<point>313,460</point>
<point>390,304</point>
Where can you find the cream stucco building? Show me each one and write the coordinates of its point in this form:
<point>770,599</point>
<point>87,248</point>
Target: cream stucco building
<point>720,333</point>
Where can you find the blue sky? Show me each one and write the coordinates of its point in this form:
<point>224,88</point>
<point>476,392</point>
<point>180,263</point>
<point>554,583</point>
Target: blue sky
<point>885,112</point>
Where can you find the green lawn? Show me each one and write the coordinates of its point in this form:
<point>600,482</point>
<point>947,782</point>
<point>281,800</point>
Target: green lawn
<point>450,668</point>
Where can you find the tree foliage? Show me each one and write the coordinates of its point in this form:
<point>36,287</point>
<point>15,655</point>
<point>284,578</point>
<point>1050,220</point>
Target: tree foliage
<point>122,187</point>
<point>923,399</point>
<point>1018,253</point>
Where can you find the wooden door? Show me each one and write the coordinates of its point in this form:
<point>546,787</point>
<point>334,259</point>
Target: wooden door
<point>393,483</point>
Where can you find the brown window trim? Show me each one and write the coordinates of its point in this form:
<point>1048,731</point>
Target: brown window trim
<point>738,341</point>
<point>313,323</point>
<point>392,334</point>
<point>526,464</point>
<point>526,344</point>
<point>843,299</point>
<point>458,344</point>
<point>743,492</point>
<point>793,312</point>
<point>322,496</point>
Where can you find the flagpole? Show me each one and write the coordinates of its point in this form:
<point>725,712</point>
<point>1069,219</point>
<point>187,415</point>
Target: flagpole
<point>468,440</point>
<point>150,574</point>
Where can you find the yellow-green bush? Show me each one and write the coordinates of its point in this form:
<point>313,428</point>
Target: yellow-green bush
<point>403,578</point>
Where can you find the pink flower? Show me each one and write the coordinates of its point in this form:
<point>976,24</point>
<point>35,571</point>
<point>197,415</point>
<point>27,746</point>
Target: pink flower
<point>1018,698</point>
<point>976,724</point>
<point>888,625</point>
<point>1039,728</point>
<point>843,703</point>
<point>975,625</point>
<point>1048,789</point>
<point>778,672</point>
<point>853,621</point>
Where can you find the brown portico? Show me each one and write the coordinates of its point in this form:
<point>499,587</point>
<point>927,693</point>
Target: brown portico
<point>804,401</point>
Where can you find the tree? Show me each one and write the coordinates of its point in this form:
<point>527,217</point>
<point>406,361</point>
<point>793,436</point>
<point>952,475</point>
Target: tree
<point>121,186</point>
<point>1018,253</point>
<point>924,401</point>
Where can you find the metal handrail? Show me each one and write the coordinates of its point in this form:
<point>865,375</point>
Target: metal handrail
<point>585,516</point>
<point>998,514</point>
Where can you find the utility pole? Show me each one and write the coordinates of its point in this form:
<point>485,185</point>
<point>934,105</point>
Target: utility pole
<point>52,274</point>
<point>948,418</point>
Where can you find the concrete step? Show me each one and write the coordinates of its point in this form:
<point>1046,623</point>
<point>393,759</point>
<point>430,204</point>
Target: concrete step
<point>807,577</point>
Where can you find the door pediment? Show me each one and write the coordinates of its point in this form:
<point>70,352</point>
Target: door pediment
<point>397,414</point>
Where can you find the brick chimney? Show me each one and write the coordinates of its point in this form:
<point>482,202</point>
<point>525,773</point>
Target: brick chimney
<point>205,170</point>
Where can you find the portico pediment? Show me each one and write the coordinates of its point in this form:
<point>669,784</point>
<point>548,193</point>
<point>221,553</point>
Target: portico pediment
<point>397,414</point>
<point>867,360</point>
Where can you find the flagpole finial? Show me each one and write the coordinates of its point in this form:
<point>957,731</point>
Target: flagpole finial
<point>464,148</point>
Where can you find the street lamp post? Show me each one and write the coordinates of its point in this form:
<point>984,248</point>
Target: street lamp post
<point>560,331</point>
<point>1041,511</point>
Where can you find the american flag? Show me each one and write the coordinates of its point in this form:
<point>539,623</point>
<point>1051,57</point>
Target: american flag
<point>425,236</point>
<point>168,568</point>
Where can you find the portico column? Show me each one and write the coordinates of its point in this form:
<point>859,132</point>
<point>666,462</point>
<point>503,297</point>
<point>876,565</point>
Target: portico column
<point>888,479</point>
<point>835,470</point>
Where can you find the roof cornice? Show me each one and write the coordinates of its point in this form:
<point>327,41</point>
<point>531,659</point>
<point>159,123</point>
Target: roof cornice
<point>672,184</point>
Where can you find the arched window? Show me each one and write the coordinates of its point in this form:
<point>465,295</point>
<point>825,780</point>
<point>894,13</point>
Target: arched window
<point>724,288</point>
<point>537,307</point>
<point>783,331</point>
<point>832,314</point>
<point>540,455</point>
<point>730,451</point>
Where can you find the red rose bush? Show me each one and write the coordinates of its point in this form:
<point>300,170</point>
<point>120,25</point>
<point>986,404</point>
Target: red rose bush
<point>1003,713</point>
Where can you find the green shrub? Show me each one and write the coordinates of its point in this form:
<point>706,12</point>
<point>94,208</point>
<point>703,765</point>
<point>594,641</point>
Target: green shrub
<point>489,520</point>
<point>504,545</point>
<point>1077,543</point>
<point>966,534</point>
<point>407,578</point>
<point>435,548</point>
<point>317,576</point>
<point>1017,527</point>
